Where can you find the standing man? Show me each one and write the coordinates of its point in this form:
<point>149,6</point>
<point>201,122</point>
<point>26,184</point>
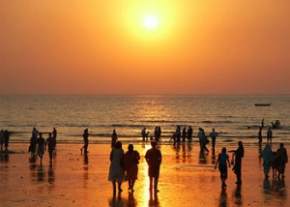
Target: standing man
<point>153,158</point>
<point>213,136</point>
<point>237,162</point>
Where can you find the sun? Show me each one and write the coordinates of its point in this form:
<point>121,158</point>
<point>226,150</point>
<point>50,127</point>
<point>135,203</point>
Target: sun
<point>151,22</point>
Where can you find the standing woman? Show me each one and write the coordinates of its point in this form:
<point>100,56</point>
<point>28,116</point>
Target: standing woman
<point>114,138</point>
<point>223,162</point>
<point>267,155</point>
<point>41,147</point>
<point>50,145</point>
<point>237,160</point>
<point>116,171</point>
<point>86,141</point>
<point>131,161</point>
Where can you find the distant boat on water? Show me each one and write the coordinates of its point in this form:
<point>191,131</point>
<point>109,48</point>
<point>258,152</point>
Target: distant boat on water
<point>262,104</point>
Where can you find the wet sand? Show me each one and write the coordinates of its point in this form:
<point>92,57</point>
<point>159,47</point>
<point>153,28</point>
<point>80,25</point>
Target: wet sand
<point>186,180</point>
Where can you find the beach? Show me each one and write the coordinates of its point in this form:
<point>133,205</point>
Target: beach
<point>186,179</point>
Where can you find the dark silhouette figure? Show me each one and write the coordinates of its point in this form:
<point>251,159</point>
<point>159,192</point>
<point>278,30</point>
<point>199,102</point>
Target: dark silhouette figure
<point>282,159</point>
<point>131,161</point>
<point>50,146</point>
<point>41,147</point>
<point>202,140</point>
<point>184,133</point>
<point>157,133</point>
<point>86,141</point>
<point>1,140</point>
<point>54,137</point>
<point>189,134</point>
<point>260,136</point>
<point>143,134</point>
<point>262,123</point>
<point>267,156</point>
<point>153,158</point>
<point>6,139</point>
<point>114,138</point>
<point>33,143</point>
<point>213,136</point>
<point>116,172</point>
<point>223,163</point>
<point>178,134</point>
<point>269,135</point>
<point>237,162</point>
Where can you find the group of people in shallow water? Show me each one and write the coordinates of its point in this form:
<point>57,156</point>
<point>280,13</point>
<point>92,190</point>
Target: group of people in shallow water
<point>4,140</point>
<point>38,144</point>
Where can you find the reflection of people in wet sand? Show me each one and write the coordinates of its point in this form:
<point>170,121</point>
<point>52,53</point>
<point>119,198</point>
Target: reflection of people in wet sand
<point>153,158</point>
<point>116,171</point>
<point>131,161</point>
<point>223,163</point>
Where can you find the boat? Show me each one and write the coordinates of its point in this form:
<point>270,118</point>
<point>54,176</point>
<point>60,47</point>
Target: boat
<point>262,104</point>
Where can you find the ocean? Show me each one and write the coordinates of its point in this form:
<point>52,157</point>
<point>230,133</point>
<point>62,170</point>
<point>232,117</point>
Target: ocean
<point>234,117</point>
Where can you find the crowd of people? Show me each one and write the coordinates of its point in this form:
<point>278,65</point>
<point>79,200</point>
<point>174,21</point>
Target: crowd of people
<point>124,165</point>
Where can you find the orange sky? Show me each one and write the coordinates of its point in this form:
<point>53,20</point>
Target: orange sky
<point>98,47</point>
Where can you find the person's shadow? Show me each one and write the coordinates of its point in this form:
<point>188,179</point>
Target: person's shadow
<point>50,174</point>
<point>223,198</point>
<point>238,195</point>
<point>153,199</point>
<point>202,157</point>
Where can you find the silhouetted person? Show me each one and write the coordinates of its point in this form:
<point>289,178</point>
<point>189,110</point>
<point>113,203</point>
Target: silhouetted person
<point>184,133</point>
<point>6,140</point>
<point>269,135</point>
<point>54,137</point>
<point>178,134</point>
<point>33,143</point>
<point>153,158</point>
<point>260,136</point>
<point>131,160</point>
<point>1,140</point>
<point>114,138</point>
<point>157,133</point>
<point>144,134</point>
<point>213,136</point>
<point>189,133</point>
<point>41,147</point>
<point>223,163</point>
<point>202,140</point>
<point>116,171</point>
<point>262,123</point>
<point>50,146</point>
<point>282,160</point>
<point>267,156</point>
<point>237,162</point>
<point>86,141</point>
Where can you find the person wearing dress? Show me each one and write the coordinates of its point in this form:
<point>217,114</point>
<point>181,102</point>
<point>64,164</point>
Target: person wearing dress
<point>223,163</point>
<point>41,146</point>
<point>131,161</point>
<point>153,158</point>
<point>267,156</point>
<point>116,171</point>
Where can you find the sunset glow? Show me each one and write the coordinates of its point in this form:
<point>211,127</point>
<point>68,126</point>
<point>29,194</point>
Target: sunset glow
<point>173,47</point>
